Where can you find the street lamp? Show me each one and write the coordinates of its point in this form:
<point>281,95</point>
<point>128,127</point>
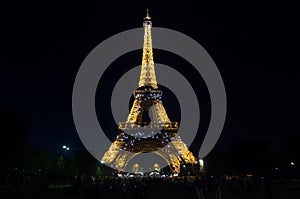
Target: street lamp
<point>66,148</point>
<point>201,162</point>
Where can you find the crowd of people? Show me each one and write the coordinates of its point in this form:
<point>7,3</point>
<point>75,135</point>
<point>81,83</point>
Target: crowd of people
<point>129,187</point>
<point>204,187</point>
<point>140,187</point>
<point>16,181</point>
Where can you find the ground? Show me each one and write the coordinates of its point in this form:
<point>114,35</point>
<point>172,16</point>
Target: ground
<point>161,192</point>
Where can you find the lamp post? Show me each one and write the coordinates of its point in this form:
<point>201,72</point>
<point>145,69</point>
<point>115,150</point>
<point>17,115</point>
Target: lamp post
<point>66,148</point>
<point>201,165</point>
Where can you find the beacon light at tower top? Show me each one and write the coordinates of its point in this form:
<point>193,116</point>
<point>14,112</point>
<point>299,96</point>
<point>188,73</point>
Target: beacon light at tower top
<point>137,136</point>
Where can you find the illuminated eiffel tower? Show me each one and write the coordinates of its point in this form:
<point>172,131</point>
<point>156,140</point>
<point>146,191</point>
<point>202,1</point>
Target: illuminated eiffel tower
<point>138,136</point>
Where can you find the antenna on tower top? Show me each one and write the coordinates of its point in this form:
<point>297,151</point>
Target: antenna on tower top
<point>147,16</point>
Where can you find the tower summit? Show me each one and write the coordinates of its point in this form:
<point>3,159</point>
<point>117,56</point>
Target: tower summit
<point>147,77</point>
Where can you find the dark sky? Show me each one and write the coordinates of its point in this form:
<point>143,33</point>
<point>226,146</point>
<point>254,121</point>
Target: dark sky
<point>255,46</point>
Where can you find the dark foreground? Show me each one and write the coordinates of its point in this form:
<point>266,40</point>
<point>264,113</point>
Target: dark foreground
<point>156,190</point>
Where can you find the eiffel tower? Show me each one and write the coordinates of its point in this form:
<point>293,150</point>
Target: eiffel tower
<point>137,135</point>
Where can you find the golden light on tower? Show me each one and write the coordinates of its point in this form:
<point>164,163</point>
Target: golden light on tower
<point>156,167</point>
<point>135,167</point>
<point>147,77</point>
<point>147,100</point>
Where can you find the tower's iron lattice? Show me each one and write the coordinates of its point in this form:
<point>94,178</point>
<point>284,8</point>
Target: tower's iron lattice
<point>137,136</point>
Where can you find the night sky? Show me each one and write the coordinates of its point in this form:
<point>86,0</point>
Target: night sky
<point>255,46</point>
